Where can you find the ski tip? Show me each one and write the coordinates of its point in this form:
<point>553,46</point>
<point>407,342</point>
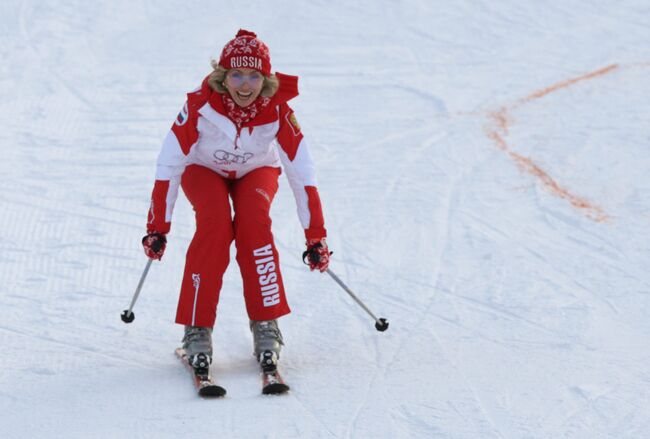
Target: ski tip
<point>275,389</point>
<point>213,391</point>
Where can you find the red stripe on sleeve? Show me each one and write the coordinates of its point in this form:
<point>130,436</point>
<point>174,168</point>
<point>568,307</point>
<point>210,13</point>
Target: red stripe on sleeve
<point>289,134</point>
<point>316,228</point>
<point>185,126</point>
<point>156,218</point>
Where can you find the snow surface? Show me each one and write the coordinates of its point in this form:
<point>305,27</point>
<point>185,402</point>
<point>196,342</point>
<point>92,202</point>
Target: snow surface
<point>484,172</point>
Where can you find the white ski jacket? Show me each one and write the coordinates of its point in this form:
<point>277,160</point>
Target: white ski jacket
<point>203,135</point>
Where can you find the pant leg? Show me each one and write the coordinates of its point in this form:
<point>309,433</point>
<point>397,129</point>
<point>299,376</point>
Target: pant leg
<point>257,256</point>
<point>209,252</point>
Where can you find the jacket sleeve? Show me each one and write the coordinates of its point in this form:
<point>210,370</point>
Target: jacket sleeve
<point>301,173</point>
<point>169,168</point>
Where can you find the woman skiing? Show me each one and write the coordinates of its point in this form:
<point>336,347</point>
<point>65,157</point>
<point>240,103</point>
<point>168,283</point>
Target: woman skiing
<point>228,143</point>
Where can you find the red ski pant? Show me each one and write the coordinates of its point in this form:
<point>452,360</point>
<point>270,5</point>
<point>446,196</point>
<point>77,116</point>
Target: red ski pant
<point>209,252</point>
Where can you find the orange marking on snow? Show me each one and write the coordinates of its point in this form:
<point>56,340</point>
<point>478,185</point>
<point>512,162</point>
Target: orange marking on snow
<point>501,121</point>
<point>564,84</point>
<point>501,143</point>
<point>527,165</point>
<point>593,212</point>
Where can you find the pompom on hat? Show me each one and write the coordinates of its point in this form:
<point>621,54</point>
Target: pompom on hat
<point>246,51</point>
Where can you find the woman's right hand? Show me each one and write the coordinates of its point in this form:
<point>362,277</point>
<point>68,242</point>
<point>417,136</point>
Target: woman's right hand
<point>154,245</point>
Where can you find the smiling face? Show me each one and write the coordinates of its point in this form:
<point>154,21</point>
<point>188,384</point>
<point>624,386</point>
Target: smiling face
<point>244,85</point>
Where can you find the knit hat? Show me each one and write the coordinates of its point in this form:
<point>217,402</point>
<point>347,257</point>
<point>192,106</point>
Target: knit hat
<point>246,51</point>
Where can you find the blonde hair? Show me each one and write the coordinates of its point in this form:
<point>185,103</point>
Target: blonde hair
<point>218,75</point>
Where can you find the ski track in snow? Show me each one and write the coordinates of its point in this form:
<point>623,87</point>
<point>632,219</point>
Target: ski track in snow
<point>445,213</point>
<point>517,296</point>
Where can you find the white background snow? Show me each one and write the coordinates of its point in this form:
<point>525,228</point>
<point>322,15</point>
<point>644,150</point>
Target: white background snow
<point>518,294</point>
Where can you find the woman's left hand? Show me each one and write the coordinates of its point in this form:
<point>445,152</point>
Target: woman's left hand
<point>317,255</point>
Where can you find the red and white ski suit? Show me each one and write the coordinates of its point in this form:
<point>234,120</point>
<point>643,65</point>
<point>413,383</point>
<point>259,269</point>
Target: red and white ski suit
<point>213,161</point>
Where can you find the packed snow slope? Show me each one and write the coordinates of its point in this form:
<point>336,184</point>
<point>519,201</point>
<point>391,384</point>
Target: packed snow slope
<point>484,172</point>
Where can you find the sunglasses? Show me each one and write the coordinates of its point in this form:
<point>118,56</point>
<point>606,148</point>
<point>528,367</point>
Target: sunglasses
<point>237,79</point>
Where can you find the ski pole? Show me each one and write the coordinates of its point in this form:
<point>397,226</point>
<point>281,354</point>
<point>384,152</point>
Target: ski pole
<point>380,323</point>
<point>127,315</point>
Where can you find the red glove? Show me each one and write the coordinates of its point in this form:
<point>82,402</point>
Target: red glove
<point>154,245</point>
<point>317,255</point>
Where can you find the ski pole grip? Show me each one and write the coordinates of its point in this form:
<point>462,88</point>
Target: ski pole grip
<point>156,246</point>
<point>309,256</point>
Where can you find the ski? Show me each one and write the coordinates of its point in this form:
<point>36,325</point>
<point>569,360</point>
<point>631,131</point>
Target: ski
<point>204,382</point>
<point>273,384</point>
<point>272,381</point>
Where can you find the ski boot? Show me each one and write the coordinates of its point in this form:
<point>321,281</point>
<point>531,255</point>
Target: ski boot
<point>267,341</point>
<point>197,343</point>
